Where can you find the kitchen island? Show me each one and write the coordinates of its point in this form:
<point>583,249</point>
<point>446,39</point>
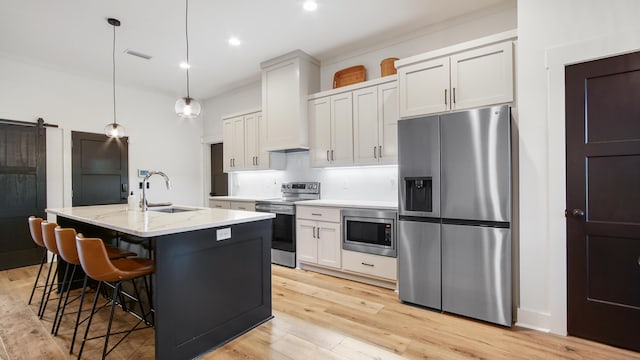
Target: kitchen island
<point>213,269</point>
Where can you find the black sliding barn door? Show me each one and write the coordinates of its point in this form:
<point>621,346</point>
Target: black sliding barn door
<point>22,191</point>
<point>100,169</point>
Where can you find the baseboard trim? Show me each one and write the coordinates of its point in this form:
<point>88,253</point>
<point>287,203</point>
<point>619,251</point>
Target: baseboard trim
<point>534,320</point>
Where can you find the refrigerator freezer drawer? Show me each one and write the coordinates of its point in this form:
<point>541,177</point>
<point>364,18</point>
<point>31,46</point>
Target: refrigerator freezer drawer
<point>419,270</point>
<point>476,272</point>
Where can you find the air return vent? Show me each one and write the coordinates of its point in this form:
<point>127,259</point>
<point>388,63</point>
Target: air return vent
<point>138,54</point>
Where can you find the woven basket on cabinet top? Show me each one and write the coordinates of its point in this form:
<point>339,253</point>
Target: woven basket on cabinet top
<point>350,75</point>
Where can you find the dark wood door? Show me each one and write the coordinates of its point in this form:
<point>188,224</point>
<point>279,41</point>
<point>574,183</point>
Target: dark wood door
<point>603,200</point>
<point>22,191</point>
<point>100,171</point>
<point>219,182</point>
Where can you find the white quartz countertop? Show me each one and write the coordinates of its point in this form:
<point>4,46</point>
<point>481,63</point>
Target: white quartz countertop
<point>240,198</point>
<point>154,223</point>
<point>393,205</point>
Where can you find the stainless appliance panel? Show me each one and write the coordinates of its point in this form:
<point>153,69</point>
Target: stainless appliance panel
<point>419,158</point>
<point>476,272</point>
<point>375,243</point>
<point>419,267</point>
<point>476,164</point>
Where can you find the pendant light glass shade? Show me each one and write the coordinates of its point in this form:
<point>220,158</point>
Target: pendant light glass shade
<point>187,108</point>
<point>114,130</point>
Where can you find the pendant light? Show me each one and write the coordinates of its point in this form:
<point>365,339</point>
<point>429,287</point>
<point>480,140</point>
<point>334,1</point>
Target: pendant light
<point>114,130</point>
<point>187,107</point>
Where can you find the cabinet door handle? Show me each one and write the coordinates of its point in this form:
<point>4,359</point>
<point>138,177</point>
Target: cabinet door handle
<point>332,157</point>
<point>257,161</point>
<point>318,233</point>
<point>313,232</point>
<point>379,151</point>
<point>367,264</point>
<point>454,95</point>
<point>374,153</point>
<point>328,155</point>
<point>445,96</point>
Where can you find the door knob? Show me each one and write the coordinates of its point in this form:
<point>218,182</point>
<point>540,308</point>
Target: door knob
<point>574,213</point>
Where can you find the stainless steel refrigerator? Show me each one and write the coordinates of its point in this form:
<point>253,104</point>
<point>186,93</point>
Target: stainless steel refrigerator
<point>454,228</point>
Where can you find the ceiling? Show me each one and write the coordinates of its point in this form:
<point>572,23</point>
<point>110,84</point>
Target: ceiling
<point>74,36</point>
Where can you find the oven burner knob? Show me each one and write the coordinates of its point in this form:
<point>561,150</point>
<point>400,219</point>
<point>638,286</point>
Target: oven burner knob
<point>289,186</point>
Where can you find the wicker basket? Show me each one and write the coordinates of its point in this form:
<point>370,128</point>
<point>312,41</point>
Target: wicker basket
<point>350,75</point>
<point>387,67</point>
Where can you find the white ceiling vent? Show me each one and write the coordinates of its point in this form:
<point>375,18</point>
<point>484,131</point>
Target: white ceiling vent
<point>138,54</point>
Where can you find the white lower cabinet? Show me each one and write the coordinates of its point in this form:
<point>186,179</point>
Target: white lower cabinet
<point>369,264</point>
<point>318,242</point>
<point>233,205</point>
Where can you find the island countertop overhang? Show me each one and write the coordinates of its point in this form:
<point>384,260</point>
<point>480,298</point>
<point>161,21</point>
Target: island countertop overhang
<point>154,223</point>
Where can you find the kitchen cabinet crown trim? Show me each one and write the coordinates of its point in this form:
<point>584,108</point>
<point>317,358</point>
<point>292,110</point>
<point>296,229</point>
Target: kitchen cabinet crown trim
<point>296,54</point>
<point>241,113</point>
<point>450,50</point>
<point>360,85</point>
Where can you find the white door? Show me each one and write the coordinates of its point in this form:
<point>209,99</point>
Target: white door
<point>227,144</point>
<point>320,131</point>
<point>341,129</point>
<point>424,88</point>
<point>238,143</point>
<point>306,242</point>
<point>482,76</point>
<point>388,123</point>
<point>251,138</point>
<point>329,246</point>
<point>365,126</point>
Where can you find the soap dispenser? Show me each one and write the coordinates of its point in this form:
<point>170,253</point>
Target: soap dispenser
<point>131,202</point>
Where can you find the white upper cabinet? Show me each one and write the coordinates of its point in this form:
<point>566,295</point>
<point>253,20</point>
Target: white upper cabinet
<point>424,87</point>
<point>331,120</point>
<point>233,144</point>
<point>243,136</point>
<point>479,77</point>
<point>286,83</point>
<point>375,122</point>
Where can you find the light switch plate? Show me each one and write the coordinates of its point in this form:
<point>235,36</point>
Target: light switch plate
<point>222,234</point>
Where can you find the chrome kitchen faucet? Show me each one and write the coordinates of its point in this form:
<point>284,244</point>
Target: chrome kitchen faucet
<point>143,204</point>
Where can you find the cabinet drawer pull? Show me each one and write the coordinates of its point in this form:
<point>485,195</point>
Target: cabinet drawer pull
<point>367,264</point>
<point>241,208</point>
<point>316,214</point>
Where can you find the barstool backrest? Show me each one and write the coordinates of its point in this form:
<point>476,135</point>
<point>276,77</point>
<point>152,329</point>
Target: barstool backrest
<point>49,237</point>
<point>36,230</point>
<point>94,259</point>
<point>66,241</point>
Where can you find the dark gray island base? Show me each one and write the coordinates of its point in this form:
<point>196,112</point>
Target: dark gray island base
<point>206,291</point>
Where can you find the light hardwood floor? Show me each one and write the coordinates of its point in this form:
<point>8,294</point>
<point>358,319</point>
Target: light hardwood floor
<point>315,317</point>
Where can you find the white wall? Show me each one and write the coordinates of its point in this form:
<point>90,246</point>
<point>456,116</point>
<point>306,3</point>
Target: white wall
<point>349,184</point>
<point>157,139</point>
<point>551,34</point>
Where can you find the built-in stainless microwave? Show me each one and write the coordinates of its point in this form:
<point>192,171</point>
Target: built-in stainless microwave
<point>369,231</point>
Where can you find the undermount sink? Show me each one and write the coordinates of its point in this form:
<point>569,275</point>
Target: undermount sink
<point>173,209</point>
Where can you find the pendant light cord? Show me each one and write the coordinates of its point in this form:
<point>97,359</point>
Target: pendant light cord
<point>113,53</point>
<point>186,31</point>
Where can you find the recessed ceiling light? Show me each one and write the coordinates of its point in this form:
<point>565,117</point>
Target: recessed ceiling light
<point>310,5</point>
<point>234,41</point>
<point>184,65</point>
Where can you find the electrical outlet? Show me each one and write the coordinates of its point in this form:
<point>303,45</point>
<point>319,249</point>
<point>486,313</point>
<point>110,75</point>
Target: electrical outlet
<point>223,234</point>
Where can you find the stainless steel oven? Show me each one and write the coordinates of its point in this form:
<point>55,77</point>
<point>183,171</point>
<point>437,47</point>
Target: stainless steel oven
<point>370,231</point>
<point>283,241</point>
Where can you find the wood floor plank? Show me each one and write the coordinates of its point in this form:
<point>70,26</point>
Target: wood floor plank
<point>315,317</point>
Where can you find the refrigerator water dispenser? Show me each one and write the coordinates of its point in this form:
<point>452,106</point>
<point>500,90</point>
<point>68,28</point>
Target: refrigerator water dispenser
<point>418,191</point>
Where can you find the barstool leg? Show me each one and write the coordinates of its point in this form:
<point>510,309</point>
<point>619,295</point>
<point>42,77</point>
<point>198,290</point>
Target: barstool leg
<point>75,330</point>
<point>116,291</point>
<point>35,285</point>
<point>66,293</point>
<point>93,309</point>
<point>62,288</point>
<point>45,299</point>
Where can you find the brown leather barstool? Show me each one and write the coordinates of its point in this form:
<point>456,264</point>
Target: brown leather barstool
<point>49,241</point>
<point>36,236</point>
<point>66,243</point>
<point>96,264</point>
